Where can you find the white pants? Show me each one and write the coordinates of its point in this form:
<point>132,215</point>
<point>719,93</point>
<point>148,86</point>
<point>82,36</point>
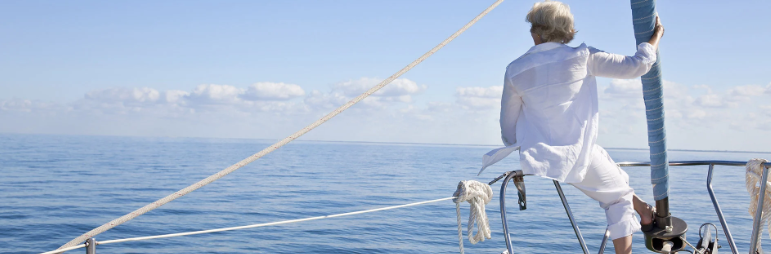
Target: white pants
<point>609,184</point>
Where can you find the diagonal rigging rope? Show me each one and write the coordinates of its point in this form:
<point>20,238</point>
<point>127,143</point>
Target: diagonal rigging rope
<point>275,146</point>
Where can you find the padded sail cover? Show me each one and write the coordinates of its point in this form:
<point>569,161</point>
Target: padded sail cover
<point>644,20</point>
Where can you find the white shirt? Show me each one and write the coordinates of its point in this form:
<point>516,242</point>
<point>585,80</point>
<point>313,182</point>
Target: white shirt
<point>549,106</point>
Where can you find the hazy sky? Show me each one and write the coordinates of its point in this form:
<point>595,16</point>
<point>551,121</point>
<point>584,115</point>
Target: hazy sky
<point>264,69</point>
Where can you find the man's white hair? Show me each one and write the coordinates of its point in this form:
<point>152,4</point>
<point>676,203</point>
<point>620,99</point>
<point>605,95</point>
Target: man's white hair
<point>552,21</point>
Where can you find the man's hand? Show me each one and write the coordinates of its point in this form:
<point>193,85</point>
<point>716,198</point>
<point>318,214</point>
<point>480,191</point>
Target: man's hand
<point>658,32</point>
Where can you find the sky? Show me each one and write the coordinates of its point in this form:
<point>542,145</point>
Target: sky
<point>265,69</point>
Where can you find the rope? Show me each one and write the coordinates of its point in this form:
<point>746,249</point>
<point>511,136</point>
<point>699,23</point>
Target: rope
<point>695,250</point>
<point>249,226</point>
<point>275,146</point>
<point>460,230</point>
<point>66,249</point>
<point>477,194</point>
<point>753,177</point>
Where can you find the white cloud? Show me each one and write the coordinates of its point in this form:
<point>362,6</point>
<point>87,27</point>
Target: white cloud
<point>479,97</point>
<point>480,92</point>
<point>272,91</point>
<point>231,95</point>
<point>271,110</point>
<point>20,105</point>
<point>766,109</point>
<point>688,109</point>
<point>215,94</point>
<point>697,114</point>
<point>399,88</point>
<point>398,91</point>
<point>624,88</point>
<point>732,98</point>
<point>703,87</point>
<point>175,96</point>
<point>673,114</point>
<point>680,101</point>
<point>743,94</point>
<point>129,96</point>
<point>439,107</point>
<point>319,100</point>
<point>710,100</point>
<point>632,88</point>
<point>260,97</point>
<point>676,91</point>
<point>276,98</point>
<point>267,110</point>
<point>748,90</point>
<point>120,100</point>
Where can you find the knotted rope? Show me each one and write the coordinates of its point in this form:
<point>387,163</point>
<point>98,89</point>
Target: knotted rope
<point>477,194</point>
<point>275,146</point>
<point>753,177</point>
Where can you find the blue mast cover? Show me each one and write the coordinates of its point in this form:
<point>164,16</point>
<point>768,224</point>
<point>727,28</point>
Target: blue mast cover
<point>644,20</point>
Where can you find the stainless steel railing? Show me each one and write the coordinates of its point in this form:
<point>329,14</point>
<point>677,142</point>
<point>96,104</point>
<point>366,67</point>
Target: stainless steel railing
<point>509,176</point>
<point>711,163</point>
<point>570,216</point>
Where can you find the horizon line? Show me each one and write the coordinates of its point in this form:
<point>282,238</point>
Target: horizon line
<point>371,142</point>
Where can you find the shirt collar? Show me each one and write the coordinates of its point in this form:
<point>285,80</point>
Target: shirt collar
<point>544,47</point>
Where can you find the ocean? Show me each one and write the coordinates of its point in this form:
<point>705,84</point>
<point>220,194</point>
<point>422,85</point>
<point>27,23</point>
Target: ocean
<point>53,188</point>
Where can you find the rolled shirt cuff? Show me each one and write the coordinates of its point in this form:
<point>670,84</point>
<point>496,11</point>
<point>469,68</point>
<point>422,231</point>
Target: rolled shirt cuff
<point>624,228</point>
<point>646,52</point>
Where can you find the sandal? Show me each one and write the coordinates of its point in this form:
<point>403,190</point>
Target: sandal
<point>649,226</point>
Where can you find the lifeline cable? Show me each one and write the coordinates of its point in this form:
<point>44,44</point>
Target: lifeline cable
<point>143,238</point>
<point>275,146</point>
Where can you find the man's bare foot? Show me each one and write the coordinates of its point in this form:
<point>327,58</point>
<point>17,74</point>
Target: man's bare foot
<point>644,210</point>
<point>646,215</point>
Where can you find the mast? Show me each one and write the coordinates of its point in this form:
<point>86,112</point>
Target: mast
<point>667,230</point>
<point>643,18</point>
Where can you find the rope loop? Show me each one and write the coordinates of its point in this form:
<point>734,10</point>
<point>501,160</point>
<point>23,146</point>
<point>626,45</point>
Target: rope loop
<point>477,194</point>
<point>753,177</point>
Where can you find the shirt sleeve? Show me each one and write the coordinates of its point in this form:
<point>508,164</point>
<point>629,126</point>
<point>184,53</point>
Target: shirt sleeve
<point>604,64</point>
<point>511,107</point>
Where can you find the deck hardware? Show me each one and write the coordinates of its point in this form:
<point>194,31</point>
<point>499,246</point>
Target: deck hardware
<point>499,177</point>
<point>706,244</point>
<point>519,182</point>
<point>666,230</point>
<point>91,246</point>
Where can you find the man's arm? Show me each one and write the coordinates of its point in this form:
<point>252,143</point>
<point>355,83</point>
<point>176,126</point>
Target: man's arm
<point>604,64</point>
<point>511,106</point>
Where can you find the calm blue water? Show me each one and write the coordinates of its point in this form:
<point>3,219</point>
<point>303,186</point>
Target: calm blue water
<point>54,188</point>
